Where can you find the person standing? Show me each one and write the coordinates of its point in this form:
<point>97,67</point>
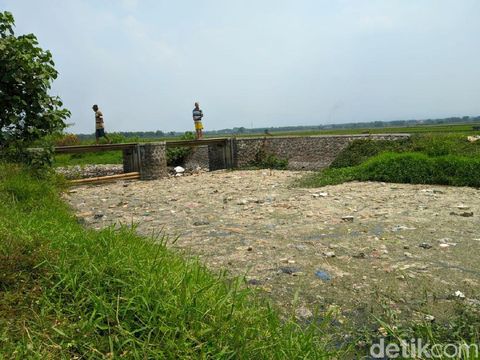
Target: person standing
<point>197,119</point>
<point>99,125</point>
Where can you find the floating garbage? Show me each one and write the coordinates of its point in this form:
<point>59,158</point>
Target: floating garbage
<point>323,275</point>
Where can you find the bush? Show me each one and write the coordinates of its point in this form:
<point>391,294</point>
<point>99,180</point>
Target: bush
<point>414,168</point>
<point>418,168</point>
<point>177,156</point>
<point>359,151</point>
<point>117,138</point>
<point>67,140</point>
<point>265,159</point>
<point>270,161</point>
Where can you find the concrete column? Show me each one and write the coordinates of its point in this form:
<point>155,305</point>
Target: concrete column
<point>153,160</point>
<point>216,157</point>
<point>130,160</point>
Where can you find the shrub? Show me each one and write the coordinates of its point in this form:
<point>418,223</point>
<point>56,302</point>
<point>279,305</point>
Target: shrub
<point>117,138</point>
<point>414,168</point>
<point>419,168</point>
<point>269,161</point>
<point>67,140</point>
<point>177,156</point>
<point>359,151</point>
<point>266,159</point>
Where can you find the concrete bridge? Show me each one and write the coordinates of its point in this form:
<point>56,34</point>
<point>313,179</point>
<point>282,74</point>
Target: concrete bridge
<point>150,160</point>
<point>302,152</point>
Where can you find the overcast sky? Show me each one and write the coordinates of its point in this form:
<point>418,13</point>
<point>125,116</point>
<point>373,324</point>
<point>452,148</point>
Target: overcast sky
<point>258,62</point>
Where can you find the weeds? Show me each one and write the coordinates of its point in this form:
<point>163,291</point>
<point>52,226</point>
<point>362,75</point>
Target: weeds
<point>69,292</point>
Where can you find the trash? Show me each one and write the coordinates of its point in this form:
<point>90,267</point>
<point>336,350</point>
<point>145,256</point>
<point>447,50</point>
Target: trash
<point>360,255</point>
<point>402,227</point>
<point>303,313</point>
<point>200,223</point>
<point>179,169</point>
<point>445,242</point>
<point>430,318</point>
<point>459,294</point>
<point>464,214</point>
<point>473,138</point>
<point>348,218</point>
<point>323,275</point>
<point>322,194</point>
<point>289,270</point>
<point>425,245</point>
<point>329,254</point>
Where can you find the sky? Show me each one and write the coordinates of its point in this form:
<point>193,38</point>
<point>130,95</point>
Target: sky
<point>257,63</point>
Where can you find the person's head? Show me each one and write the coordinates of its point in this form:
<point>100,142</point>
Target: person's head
<point>197,105</point>
<point>95,107</point>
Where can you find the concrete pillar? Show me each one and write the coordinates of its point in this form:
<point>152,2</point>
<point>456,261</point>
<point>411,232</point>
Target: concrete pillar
<point>131,160</point>
<point>216,157</point>
<point>153,160</point>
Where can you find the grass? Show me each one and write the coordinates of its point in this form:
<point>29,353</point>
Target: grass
<point>444,159</point>
<point>105,157</point>
<point>413,168</point>
<point>69,292</point>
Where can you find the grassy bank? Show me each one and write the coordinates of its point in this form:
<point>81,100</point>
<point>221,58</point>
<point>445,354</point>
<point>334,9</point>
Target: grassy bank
<point>413,168</point>
<point>444,159</point>
<point>68,292</point>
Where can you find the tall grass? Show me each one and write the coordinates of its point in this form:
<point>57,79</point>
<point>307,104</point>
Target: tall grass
<point>68,292</point>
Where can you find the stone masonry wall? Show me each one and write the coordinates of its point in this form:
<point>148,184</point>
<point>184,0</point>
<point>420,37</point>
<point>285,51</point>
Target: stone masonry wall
<point>198,157</point>
<point>303,153</point>
<point>153,160</point>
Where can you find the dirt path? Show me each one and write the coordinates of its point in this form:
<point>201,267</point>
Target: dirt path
<point>351,247</point>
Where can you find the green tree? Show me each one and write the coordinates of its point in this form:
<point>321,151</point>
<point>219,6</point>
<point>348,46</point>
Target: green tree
<point>27,111</point>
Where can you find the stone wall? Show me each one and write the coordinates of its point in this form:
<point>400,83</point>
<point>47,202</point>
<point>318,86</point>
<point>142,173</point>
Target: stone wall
<point>302,152</point>
<point>198,157</point>
<point>153,160</point>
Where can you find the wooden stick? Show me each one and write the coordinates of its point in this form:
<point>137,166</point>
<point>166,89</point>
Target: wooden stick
<point>126,176</point>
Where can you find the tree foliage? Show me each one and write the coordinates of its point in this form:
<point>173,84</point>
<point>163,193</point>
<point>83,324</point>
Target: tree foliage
<point>27,111</point>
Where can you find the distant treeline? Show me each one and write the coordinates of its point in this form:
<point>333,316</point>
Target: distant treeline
<point>243,130</point>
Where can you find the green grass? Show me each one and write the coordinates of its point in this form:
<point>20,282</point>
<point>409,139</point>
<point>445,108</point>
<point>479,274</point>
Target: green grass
<point>430,158</point>
<point>431,144</point>
<point>414,168</point>
<point>69,292</point>
<point>106,157</point>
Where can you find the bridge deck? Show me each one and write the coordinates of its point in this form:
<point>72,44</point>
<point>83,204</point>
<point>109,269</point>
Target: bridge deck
<point>110,147</point>
<point>92,148</point>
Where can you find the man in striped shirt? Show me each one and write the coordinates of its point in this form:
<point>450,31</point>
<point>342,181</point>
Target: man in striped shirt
<point>197,119</point>
<point>99,125</point>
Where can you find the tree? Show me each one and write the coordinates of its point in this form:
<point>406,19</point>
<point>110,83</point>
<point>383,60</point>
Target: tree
<point>27,111</point>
